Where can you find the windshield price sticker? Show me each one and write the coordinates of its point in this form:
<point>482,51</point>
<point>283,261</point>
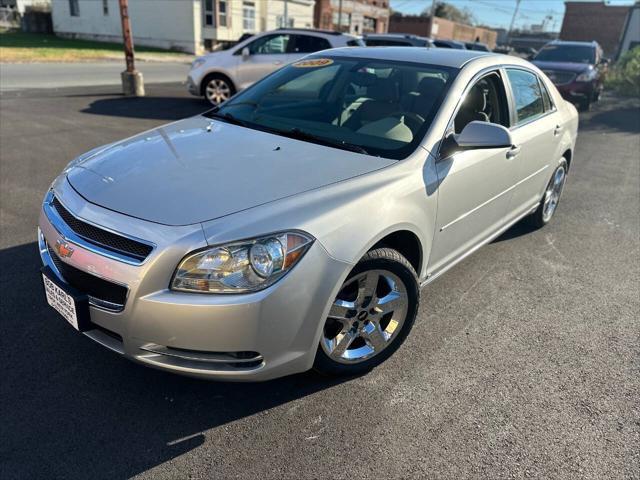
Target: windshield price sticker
<point>313,63</point>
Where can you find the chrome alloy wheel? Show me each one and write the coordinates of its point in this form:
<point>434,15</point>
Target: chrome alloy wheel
<point>366,316</point>
<point>217,91</point>
<point>552,194</point>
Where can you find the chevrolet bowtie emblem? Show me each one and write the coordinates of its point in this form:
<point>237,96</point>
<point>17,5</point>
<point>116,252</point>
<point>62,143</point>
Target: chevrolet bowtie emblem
<point>63,249</point>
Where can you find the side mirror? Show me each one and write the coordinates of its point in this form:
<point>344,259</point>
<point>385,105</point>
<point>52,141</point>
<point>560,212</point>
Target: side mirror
<point>482,135</point>
<point>245,53</point>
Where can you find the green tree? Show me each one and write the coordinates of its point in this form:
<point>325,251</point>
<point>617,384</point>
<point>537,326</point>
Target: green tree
<point>624,77</point>
<point>451,12</point>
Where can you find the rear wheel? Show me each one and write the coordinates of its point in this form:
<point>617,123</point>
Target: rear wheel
<point>217,88</point>
<point>551,197</point>
<point>584,105</point>
<point>371,316</point>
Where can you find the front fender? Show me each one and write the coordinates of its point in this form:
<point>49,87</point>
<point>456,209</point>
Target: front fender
<point>349,217</point>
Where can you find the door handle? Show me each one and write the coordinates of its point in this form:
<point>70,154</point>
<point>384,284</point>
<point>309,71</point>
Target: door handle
<point>557,131</point>
<point>513,151</point>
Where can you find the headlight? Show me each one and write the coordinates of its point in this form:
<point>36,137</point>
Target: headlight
<point>245,266</point>
<point>198,62</point>
<point>586,76</point>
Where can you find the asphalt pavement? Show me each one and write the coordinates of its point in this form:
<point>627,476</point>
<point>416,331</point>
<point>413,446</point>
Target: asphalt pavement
<point>524,361</point>
<point>21,76</point>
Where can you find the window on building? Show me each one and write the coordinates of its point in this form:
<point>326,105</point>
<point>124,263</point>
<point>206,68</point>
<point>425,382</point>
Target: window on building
<point>209,13</point>
<point>527,94</point>
<point>280,23</point>
<point>369,24</point>
<point>249,16</point>
<point>346,19</point>
<point>105,7</point>
<point>74,8</point>
<point>222,13</point>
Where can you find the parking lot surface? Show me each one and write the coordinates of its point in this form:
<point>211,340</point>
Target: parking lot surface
<point>524,361</point>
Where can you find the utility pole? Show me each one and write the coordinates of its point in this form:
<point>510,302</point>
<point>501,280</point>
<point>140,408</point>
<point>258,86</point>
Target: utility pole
<point>431,18</point>
<point>513,19</point>
<point>286,14</point>
<point>132,82</point>
<point>340,16</point>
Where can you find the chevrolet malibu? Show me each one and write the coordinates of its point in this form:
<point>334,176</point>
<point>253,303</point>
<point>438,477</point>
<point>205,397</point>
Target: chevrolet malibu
<point>293,226</point>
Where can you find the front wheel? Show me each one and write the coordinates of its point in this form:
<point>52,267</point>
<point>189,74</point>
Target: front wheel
<point>217,89</point>
<point>551,197</point>
<point>371,316</point>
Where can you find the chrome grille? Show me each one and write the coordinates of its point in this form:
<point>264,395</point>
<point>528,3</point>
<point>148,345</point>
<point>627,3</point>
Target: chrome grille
<point>102,293</point>
<point>103,238</point>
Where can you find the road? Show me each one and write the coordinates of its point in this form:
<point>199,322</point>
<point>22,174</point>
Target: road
<point>20,76</point>
<point>524,361</point>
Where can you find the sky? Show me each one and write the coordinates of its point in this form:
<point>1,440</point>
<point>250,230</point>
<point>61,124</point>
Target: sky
<point>498,13</point>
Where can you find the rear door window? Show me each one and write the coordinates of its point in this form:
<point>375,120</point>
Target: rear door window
<point>308,44</point>
<point>527,95</point>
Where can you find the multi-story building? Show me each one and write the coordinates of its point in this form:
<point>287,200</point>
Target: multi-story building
<point>442,29</point>
<point>631,36</point>
<point>188,25</point>
<point>599,21</point>
<point>358,16</point>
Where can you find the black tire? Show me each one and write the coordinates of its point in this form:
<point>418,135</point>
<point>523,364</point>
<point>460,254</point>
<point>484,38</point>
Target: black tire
<point>584,105</point>
<point>216,76</point>
<point>391,261</point>
<point>537,219</point>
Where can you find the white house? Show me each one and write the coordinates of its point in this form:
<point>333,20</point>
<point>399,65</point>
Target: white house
<point>20,6</point>
<point>187,25</point>
<point>631,34</point>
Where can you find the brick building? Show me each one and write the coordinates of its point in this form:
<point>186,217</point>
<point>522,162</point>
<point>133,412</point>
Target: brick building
<point>587,21</point>
<point>358,16</point>
<point>442,29</point>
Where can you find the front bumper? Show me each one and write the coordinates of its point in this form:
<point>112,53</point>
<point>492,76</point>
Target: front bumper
<point>575,91</point>
<point>192,86</point>
<point>257,336</point>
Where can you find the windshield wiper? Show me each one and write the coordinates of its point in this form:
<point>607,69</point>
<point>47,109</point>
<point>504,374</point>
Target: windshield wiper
<point>225,117</point>
<point>302,135</point>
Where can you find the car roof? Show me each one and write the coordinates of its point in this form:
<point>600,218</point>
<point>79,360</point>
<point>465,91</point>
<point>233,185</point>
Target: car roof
<point>577,44</point>
<point>311,31</point>
<point>394,35</point>
<point>436,56</point>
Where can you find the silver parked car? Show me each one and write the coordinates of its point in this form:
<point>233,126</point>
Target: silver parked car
<point>293,226</point>
<point>219,75</point>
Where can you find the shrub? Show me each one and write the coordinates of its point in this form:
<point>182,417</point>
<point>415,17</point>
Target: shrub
<point>624,77</point>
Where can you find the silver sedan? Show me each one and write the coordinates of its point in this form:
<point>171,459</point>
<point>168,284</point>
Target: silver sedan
<point>294,226</point>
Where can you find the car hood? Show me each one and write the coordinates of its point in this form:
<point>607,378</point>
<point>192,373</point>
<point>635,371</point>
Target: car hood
<point>200,169</point>
<point>562,66</point>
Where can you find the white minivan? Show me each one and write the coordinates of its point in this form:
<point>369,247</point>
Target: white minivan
<point>218,75</point>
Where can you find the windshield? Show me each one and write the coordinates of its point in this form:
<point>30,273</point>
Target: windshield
<point>382,108</point>
<point>567,53</point>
